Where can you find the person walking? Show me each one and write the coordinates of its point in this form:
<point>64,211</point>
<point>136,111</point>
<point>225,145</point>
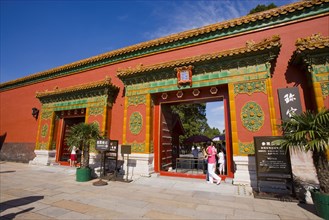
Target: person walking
<point>205,161</point>
<point>212,152</point>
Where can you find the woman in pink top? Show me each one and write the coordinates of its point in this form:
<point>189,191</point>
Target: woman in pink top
<point>211,151</point>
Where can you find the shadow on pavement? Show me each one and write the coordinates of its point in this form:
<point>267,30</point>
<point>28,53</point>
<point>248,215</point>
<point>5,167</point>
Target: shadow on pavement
<point>8,171</point>
<point>308,207</point>
<point>19,202</point>
<point>13,215</point>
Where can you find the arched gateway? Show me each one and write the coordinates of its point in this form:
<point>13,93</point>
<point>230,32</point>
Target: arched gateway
<point>239,77</point>
<point>244,63</point>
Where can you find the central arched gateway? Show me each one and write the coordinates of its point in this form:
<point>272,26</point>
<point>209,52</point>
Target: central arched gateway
<point>241,77</point>
<point>167,133</point>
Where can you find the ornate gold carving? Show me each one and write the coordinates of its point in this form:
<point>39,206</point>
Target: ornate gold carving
<point>313,42</point>
<point>137,147</point>
<point>44,130</point>
<point>46,115</point>
<point>250,87</point>
<point>325,89</point>
<point>96,110</point>
<point>136,100</point>
<point>246,148</point>
<point>252,116</point>
<point>135,123</point>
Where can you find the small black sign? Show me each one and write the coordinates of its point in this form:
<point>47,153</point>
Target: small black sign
<point>102,144</point>
<point>273,166</point>
<point>125,149</point>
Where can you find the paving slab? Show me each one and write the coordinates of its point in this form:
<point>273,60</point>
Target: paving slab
<point>51,192</point>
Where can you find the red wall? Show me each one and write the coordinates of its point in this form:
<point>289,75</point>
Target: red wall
<point>16,104</point>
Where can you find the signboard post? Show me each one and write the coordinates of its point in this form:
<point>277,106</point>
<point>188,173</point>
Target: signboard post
<point>273,166</point>
<point>126,149</point>
<point>102,145</point>
<point>112,155</point>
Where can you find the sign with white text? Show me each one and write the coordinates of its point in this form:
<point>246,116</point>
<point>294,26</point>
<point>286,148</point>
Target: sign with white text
<point>289,102</point>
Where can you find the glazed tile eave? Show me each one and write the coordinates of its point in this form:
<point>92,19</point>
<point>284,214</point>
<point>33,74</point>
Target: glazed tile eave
<point>266,44</point>
<point>266,19</point>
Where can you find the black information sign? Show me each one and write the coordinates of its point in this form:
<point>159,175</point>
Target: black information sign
<point>111,156</point>
<point>102,144</point>
<point>125,149</point>
<point>289,102</point>
<point>113,146</point>
<point>273,166</point>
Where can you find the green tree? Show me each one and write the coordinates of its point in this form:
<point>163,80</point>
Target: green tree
<point>82,136</point>
<point>193,118</point>
<point>211,132</point>
<point>310,132</point>
<point>262,7</point>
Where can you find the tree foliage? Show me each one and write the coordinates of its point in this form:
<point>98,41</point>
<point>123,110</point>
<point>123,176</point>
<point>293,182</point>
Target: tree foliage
<point>82,136</point>
<point>310,132</point>
<point>262,7</point>
<point>194,120</point>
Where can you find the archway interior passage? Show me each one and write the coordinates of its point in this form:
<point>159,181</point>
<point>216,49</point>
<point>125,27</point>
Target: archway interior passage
<point>186,125</point>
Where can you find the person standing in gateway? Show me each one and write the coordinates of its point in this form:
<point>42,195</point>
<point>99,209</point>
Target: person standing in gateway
<point>221,161</point>
<point>73,157</point>
<point>211,151</point>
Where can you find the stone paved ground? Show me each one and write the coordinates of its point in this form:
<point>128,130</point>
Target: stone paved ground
<point>41,192</point>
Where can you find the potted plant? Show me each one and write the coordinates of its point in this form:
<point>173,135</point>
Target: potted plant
<point>83,135</point>
<point>310,132</point>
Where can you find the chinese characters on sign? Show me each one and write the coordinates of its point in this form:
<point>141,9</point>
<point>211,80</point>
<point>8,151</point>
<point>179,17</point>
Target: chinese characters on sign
<point>289,102</point>
<point>273,166</point>
<point>102,145</point>
<point>113,146</point>
<point>272,157</point>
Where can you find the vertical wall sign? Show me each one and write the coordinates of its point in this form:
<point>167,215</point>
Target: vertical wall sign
<point>289,102</point>
<point>184,75</point>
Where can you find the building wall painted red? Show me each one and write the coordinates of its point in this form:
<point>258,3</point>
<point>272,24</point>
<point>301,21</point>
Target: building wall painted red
<point>17,121</point>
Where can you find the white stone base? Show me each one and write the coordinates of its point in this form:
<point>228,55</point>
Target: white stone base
<point>245,171</point>
<point>138,165</point>
<point>44,157</point>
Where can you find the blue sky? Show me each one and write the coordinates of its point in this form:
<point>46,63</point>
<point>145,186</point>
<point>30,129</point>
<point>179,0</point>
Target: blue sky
<point>40,35</point>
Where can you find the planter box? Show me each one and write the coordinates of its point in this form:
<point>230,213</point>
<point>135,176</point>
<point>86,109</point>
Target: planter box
<point>83,174</point>
<point>321,202</point>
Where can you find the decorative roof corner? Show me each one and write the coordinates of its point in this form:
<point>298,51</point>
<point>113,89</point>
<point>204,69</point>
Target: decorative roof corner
<point>310,49</point>
<point>103,87</point>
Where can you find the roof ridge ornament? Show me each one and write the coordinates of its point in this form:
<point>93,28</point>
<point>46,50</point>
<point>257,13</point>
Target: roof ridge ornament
<point>312,42</point>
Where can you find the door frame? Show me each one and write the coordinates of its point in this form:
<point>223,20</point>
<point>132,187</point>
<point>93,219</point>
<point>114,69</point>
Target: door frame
<point>157,130</point>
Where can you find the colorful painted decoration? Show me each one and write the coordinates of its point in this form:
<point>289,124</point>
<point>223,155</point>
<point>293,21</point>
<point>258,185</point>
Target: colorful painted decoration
<point>44,130</point>
<point>246,148</point>
<point>325,89</point>
<point>250,87</point>
<point>135,123</point>
<point>252,116</point>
